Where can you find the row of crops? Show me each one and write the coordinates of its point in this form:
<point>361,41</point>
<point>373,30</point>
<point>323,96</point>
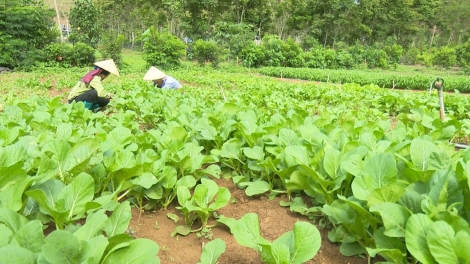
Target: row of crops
<point>384,80</point>
<point>377,163</point>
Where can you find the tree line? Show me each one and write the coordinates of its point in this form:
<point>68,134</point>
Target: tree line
<point>409,23</point>
<point>338,33</point>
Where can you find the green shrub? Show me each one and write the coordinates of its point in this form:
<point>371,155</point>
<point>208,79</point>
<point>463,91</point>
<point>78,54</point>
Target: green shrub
<point>394,53</point>
<point>82,54</point>
<point>207,51</point>
<point>25,29</point>
<point>463,56</point>
<point>344,60</point>
<point>445,57</point>
<point>376,57</point>
<point>411,56</point>
<point>315,58</point>
<point>252,55</point>
<point>330,58</point>
<point>162,49</point>
<point>272,48</point>
<point>357,52</point>
<point>292,54</point>
<point>84,19</point>
<point>58,54</point>
<point>425,59</point>
<point>111,48</point>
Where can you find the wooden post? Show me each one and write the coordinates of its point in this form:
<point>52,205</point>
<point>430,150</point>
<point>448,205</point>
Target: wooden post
<point>58,21</point>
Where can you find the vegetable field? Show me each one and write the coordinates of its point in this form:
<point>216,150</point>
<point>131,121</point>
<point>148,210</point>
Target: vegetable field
<point>376,167</point>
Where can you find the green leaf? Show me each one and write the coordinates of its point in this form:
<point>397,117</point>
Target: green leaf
<point>441,242</point>
<point>299,154</point>
<point>181,230</point>
<point>232,149</point>
<point>94,223</point>
<point>378,172</point>
<point>73,197</point>
<point>61,247</point>
<point>94,249</point>
<point>119,220</point>
<point>145,180</point>
<point>307,242</point>
<point>212,251</point>
<point>394,217</point>
<point>247,231</point>
<point>416,238</point>
<point>139,251</point>
<point>257,187</point>
<point>6,236</point>
<point>16,254</point>
<point>255,153</point>
<point>332,162</point>
<point>288,137</point>
<point>221,199</point>
<point>420,151</point>
<point>30,236</point>
<point>12,219</point>
<point>173,217</point>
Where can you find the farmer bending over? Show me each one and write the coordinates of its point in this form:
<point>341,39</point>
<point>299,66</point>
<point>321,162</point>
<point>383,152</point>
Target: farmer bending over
<point>161,80</point>
<point>90,90</point>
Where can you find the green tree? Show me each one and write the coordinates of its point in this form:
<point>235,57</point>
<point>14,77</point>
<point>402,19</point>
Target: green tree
<point>207,51</point>
<point>84,18</point>
<point>25,29</point>
<point>161,49</point>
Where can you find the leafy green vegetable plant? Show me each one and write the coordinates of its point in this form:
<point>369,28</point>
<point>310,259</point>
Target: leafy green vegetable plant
<point>207,198</point>
<point>296,246</point>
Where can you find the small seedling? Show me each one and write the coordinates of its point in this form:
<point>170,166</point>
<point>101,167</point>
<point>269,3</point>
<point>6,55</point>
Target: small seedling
<point>205,233</point>
<point>156,226</point>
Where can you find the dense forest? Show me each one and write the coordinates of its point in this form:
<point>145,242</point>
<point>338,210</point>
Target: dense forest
<point>420,23</point>
<point>430,32</point>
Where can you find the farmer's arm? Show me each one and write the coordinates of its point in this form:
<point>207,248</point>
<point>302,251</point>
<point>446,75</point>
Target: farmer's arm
<point>98,86</point>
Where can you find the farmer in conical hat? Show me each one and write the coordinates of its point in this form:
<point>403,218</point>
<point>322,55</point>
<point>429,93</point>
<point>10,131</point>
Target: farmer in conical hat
<point>161,80</point>
<point>90,89</point>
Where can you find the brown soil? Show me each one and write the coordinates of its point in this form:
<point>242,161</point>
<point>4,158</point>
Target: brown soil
<point>274,221</point>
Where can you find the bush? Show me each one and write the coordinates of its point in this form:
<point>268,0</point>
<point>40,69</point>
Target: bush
<point>252,55</point>
<point>162,49</point>
<point>376,57</point>
<point>24,31</point>
<point>330,58</point>
<point>445,57</point>
<point>207,51</point>
<point>111,48</point>
<point>344,60</point>
<point>292,54</point>
<point>411,56</point>
<point>394,53</point>
<point>84,19</point>
<point>358,53</point>
<point>272,48</point>
<point>82,54</point>
<point>315,58</point>
<point>425,59</point>
<point>58,54</point>
<point>463,56</point>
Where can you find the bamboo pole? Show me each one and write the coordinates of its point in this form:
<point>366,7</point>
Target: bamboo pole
<point>58,21</point>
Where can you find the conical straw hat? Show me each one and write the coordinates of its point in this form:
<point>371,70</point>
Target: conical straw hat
<point>154,74</point>
<point>108,65</point>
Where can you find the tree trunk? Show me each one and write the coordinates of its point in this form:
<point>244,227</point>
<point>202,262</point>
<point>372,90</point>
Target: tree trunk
<point>58,21</point>
<point>432,36</point>
<point>133,40</point>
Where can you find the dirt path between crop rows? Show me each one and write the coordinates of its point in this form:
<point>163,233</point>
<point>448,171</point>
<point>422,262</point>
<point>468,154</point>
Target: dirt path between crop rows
<point>274,221</point>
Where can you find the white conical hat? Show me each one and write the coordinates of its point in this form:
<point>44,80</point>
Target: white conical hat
<point>154,74</point>
<point>108,65</point>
